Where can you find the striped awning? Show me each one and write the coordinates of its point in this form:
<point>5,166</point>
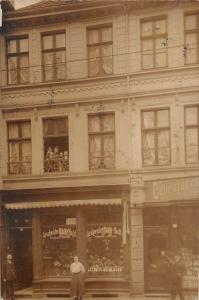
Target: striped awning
<point>62,203</point>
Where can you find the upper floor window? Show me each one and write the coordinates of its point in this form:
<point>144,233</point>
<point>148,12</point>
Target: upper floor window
<point>101,128</point>
<point>192,38</point>
<point>192,134</point>
<point>18,60</point>
<point>19,147</point>
<point>56,145</point>
<point>155,137</point>
<point>154,43</point>
<point>54,56</point>
<point>100,51</point>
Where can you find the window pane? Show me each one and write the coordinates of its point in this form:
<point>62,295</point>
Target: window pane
<point>190,22</point>
<point>191,56</point>
<point>147,45</point>
<point>13,132</point>
<point>95,151</point>
<point>109,151</point>
<point>146,28</point>
<point>163,148</point>
<point>12,70</point>
<point>107,61</point>
<point>23,68</point>
<point>94,124</point>
<point>108,122</point>
<point>161,60</point>
<point>149,149</point>
<point>163,118</point>
<point>60,65</point>
<point>106,34</point>
<point>192,145</point>
<point>147,61</point>
<point>60,40</point>
<point>93,36</point>
<point>160,26</point>
<point>148,119</point>
<point>192,137</point>
<point>26,151</point>
<point>48,66</point>
<point>191,115</point>
<point>13,158</point>
<point>94,61</point>
<point>55,127</point>
<point>12,46</point>
<point>23,45</point>
<point>47,42</point>
<point>26,129</point>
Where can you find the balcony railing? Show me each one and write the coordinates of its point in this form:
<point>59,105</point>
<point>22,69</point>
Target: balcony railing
<point>20,167</point>
<point>56,165</point>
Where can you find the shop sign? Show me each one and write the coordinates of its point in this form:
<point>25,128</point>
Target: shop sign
<point>108,269</point>
<point>105,231</point>
<point>175,189</point>
<point>60,233</point>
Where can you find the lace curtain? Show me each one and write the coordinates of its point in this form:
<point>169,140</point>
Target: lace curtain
<point>102,143</point>
<point>55,126</point>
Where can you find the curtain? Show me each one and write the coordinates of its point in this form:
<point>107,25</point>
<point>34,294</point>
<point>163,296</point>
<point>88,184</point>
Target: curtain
<point>94,61</point>
<point>48,66</point>
<point>94,124</point>
<point>163,118</point>
<point>108,122</point>
<point>163,148</point>
<point>23,69</point>
<point>60,40</point>
<point>60,65</point>
<point>147,54</point>
<point>191,51</point>
<point>55,126</point>
<point>107,59</point>
<point>13,157</point>
<point>106,34</point>
<point>148,119</point>
<point>160,53</point>
<point>192,145</point>
<point>93,36</point>
<point>47,42</point>
<point>149,149</point>
<point>109,151</point>
<point>191,115</point>
<point>26,129</point>
<point>13,131</point>
<point>95,151</point>
<point>12,70</point>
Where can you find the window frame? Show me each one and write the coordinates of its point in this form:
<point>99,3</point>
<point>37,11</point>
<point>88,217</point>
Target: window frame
<point>17,54</point>
<point>18,140</point>
<point>54,50</point>
<point>193,31</point>
<point>155,130</point>
<point>101,133</point>
<point>55,136</point>
<point>100,44</point>
<point>189,127</point>
<point>153,38</point>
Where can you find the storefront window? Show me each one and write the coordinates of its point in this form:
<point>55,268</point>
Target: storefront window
<point>104,245</point>
<point>58,244</point>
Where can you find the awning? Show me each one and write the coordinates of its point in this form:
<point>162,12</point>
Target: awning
<point>62,203</point>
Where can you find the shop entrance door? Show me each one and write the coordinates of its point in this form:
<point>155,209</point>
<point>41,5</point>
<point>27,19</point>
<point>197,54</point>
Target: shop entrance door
<point>156,265</point>
<point>22,250</point>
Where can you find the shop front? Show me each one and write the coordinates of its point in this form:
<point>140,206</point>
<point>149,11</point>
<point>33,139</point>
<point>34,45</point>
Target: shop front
<point>93,229</point>
<point>171,226</point>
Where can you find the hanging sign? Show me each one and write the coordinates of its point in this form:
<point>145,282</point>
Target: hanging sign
<point>60,233</point>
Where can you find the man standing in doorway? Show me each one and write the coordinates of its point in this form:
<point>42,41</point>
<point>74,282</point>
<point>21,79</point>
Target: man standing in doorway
<point>9,277</point>
<point>177,272</point>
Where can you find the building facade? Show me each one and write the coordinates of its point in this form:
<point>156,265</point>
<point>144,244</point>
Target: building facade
<point>100,142</point>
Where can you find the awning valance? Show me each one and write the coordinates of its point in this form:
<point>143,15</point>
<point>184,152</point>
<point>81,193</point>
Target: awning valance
<point>62,203</point>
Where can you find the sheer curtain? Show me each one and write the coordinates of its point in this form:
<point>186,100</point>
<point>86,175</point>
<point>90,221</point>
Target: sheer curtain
<point>95,151</point>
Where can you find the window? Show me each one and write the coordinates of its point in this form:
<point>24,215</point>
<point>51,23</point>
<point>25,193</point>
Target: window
<point>154,43</point>
<point>54,53</point>
<point>192,134</point>
<point>19,147</point>
<point>101,141</point>
<point>56,146</point>
<point>156,137</point>
<point>192,38</point>
<point>18,60</point>
<point>100,51</point>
